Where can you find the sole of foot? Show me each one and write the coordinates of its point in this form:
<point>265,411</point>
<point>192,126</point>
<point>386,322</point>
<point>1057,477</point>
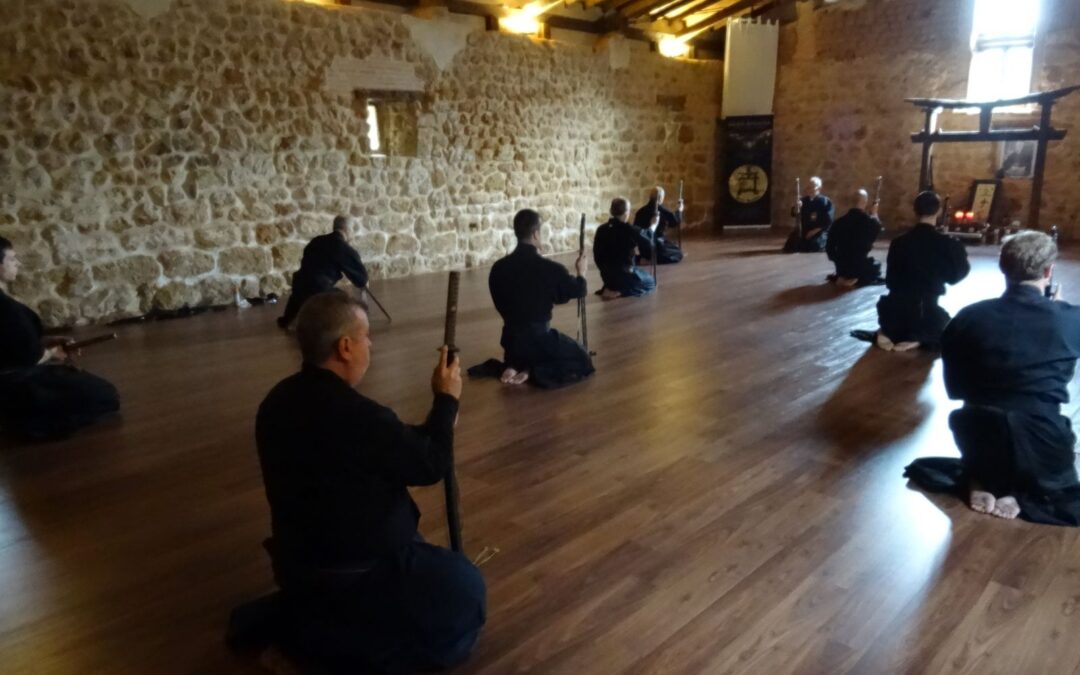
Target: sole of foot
<point>982,502</point>
<point>1006,508</point>
<point>905,346</point>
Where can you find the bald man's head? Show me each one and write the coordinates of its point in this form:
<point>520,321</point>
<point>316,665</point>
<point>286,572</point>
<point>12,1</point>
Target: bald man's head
<point>862,198</point>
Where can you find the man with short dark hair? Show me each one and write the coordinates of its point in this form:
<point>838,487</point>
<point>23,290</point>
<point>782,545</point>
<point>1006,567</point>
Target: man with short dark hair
<point>42,395</point>
<point>851,238</point>
<point>815,212</point>
<point>920,263</point>
<point>525,287</point>
<point>1011,360</point>
<point>667,252</point>
<point>615,247</point>
<point>326,259</point>
<point>360,590</point>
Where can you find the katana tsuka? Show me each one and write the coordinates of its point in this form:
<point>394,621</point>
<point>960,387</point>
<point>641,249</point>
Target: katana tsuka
<point>453,515</point>
<point>877,190</point>
<point>89,342</point>
<point>680,214</point>
<point>584,326</point>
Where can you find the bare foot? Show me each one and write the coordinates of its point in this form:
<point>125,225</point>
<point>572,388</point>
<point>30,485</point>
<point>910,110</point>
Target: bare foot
<point>844,282</point>
<point>905,346</point>
<point>508,375</point>
<point>520,378</point>
<point>609,294</point>
<point>1006,508</point>
<point>980,501</point>
<point>883,342</point>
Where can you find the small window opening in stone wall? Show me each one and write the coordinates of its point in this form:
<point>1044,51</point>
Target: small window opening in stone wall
<point>1002,48</point>
<point>392,122</point>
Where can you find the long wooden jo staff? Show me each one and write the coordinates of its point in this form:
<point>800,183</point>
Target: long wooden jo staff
<point>656,214</point>
<point>798,214</point>
<point>680,214</point>
<point>453,515</point>
<point>583,329</point>
<point>89,342</point>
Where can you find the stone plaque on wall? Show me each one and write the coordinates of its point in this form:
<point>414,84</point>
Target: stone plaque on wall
<point>746,180</point>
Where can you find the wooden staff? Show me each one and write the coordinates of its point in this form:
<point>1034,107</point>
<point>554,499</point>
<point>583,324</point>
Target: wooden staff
<point>583,327</point>
<point>378,304</point>
<point>453,515</point>
<point>656,215</point>
<point>798,214</point>
<point>877,191</point>
<point>681,212</point>
<point>76,345</point>
<point>1052,288</point>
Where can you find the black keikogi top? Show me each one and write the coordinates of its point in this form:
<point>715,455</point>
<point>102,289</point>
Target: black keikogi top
<point>328,257</point>
<point>20,334</point>
<point>922,261</point>
<point>336,465</point>
<point>852,236</point>
<point>525,287</point>
<point>616,243</point>
<point>1018,351</point>
<point>816,213</point>
<point>668,218</point>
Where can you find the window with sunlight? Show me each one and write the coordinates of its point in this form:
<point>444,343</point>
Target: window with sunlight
<point>373,128</point>
<point>1002,49</point>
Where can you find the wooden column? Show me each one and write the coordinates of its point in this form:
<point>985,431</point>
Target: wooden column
<point>1040,164</point>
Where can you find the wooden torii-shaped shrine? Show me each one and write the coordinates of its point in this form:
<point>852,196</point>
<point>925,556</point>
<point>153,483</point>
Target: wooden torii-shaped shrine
<point>1042,133</point>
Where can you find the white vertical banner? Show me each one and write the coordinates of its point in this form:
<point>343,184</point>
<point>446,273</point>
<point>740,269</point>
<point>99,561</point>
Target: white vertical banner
<point>750,67</point>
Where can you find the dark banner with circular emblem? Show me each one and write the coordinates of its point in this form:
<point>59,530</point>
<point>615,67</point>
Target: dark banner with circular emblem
<point>745,179</point>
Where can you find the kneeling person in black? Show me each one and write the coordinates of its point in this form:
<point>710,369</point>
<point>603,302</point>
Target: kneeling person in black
<point>615,248</point>
<point>525,287</point>
<point>327,258</point>
<point>1011,360</point>
<point>42,394</point>
<point>360,589</point>
<point>920,263</point>
<point>851,238</point>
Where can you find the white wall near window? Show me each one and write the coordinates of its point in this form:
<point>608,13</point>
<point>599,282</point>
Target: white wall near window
<point>1002,49</point>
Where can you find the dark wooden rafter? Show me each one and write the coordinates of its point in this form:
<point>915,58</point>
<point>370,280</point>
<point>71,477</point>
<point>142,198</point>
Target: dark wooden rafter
<point>683,6</point>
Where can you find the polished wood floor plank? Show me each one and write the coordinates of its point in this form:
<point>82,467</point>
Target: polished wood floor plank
<point>724,496</point>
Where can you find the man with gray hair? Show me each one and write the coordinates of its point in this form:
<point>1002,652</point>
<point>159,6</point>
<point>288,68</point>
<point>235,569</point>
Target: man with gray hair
<point>815,212</point>
<point>326,259</point>
<point>1010,360</point>
<point>851,239</point>
<point>360,589</point>
<point>667,252</point>
<point>615,247</point>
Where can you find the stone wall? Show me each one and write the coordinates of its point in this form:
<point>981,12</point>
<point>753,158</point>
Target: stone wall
<point>845,71</point>
<point>162,153</point>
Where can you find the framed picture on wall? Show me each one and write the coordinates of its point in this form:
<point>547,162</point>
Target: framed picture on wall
<point>984,197</point>
<point>1016,159</point>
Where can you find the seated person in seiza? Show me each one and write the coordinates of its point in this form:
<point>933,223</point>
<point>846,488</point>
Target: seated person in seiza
<point>525,287</point>
<point>668,251</point>
<point>815,212</point>
<point>360,590</point>
<point>919,265</point>
<point>326,259</point>
<point>616,245</point>
<point>851,238</point>
<point>42,395</point>
<point>1010,360</point>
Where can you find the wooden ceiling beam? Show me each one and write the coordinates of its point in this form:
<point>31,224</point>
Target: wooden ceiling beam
<point>641,7</point>
<point>684,6</point>
<point>720,17</point>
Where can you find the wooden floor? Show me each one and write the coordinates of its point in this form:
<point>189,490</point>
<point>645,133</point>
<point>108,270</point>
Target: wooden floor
<point>724,496</point>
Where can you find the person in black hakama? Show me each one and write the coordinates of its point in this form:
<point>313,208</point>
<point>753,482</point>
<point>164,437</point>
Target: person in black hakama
<point>360,590</point>
<point>1010,360</point>
<point>326,259</point>
<point>815,212</point>
<point>615,248</point>
<point>525,287</point>
<point>668,252</point>
<point>919,265</point>
<point>851,238</point>
<point>43,395</point>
